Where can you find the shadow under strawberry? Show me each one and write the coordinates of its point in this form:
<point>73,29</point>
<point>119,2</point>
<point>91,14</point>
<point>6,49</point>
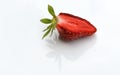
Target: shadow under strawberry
<point>70,50</point>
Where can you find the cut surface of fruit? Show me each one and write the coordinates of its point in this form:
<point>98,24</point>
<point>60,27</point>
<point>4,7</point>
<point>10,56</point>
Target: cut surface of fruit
<point>71,27</point>
<point>74,23</point>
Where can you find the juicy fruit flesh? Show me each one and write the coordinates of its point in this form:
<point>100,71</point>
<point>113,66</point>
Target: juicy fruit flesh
<point>72,27</point>
<point>74,24</point>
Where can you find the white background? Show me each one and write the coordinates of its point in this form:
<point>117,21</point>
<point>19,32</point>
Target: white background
<point>23,52</point>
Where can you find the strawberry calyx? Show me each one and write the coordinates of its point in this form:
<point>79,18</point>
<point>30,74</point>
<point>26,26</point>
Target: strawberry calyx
<point>52,22</point>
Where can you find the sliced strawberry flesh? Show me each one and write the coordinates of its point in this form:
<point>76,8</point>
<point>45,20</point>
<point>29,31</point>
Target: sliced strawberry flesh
<point>74,23</point>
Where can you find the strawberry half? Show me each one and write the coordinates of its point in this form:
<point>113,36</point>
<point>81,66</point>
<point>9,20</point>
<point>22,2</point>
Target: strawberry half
<point>70,27</point>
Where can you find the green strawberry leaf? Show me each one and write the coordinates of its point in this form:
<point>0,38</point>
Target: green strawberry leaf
<point>46,21</point>
<point>53,26</point>
<point>51,10</point>
<point>52,22</point>
<point>46,33</point>
<point>47,28</point>
<point>52,29</point>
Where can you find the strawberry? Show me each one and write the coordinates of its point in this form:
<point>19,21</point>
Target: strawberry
<point>70,27</point>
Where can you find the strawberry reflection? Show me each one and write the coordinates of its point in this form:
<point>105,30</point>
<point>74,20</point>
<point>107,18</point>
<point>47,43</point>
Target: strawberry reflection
<point>69,50</point>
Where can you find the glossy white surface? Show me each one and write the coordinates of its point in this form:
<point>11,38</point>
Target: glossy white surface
<point>23,52</point>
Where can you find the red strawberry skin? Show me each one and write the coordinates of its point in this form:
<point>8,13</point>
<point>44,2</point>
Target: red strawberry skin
<point>72,27</point>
